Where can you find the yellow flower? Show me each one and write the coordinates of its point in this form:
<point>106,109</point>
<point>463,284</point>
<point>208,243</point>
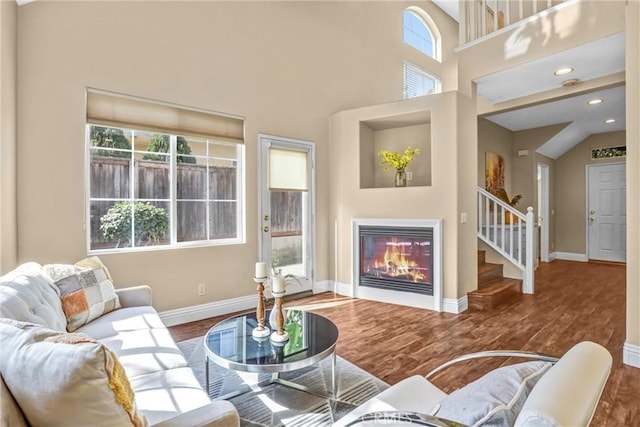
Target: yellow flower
<point>393,159</point>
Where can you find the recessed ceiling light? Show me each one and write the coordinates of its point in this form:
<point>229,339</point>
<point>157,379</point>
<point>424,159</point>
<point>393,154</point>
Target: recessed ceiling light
<point>570,82</point>
<point>609,121</point>
<point>563,71</point>
<point>595,101</point>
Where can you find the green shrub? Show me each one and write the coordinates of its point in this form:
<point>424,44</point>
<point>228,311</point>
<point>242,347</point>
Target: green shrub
<point>151,223</point>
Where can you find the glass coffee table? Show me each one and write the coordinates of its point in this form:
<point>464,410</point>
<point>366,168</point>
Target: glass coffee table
<point>312,338</point>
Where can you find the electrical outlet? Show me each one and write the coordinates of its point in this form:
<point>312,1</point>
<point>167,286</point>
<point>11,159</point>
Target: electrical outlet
<point>409,176</point>
<point>463,218</point>
<point>201,289</point>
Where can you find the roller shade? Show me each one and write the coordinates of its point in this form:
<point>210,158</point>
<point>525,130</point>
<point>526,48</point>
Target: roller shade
<point>288,170</point>
<point>111,109</point>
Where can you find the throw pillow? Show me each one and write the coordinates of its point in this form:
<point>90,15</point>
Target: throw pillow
<point>85,289</point>
<point>61,379</point>
<point>496,398</point>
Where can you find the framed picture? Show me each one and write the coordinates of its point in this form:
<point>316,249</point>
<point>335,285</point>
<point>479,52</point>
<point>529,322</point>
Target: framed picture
<point>493,172</point>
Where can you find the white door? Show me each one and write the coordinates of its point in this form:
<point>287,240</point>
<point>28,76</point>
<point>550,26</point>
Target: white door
<point>287,206</point>
<point>606,216</point>
<point>543,210</point>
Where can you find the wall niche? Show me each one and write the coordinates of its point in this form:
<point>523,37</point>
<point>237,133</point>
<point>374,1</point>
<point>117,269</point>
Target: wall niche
<point>395,133</point>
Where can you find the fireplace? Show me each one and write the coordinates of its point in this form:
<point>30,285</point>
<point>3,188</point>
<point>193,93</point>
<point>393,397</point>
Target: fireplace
<point>398,261</point>
<point>397,258</point>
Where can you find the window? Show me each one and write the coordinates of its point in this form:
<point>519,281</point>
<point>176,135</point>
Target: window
<point>419,34</point>
<point>418,82</point>
<point>608,153</point>
<point>149,187</point>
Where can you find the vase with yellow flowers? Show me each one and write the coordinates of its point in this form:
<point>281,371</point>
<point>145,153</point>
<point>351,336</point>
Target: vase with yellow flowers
<point>393,159</point>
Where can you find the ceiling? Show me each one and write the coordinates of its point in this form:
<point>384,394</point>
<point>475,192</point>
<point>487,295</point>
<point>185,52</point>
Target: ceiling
<point>601,57</point>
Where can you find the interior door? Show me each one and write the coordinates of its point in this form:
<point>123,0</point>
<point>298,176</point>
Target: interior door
<point>287,206</point>
<point>606,214</point>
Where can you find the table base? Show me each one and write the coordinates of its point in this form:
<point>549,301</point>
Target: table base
<point>275,379</point>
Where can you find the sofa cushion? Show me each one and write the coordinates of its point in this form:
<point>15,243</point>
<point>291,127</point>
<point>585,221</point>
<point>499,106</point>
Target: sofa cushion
<point>123,320</point>
<point>165,394</point>
<point>494,399</point>
<point>78,380</point>
<point>27,294</point>
<point>85,290</point>
<point>145,351</point>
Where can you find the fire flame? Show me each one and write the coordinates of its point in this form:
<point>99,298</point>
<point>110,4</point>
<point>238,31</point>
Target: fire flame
<point>396,263</point>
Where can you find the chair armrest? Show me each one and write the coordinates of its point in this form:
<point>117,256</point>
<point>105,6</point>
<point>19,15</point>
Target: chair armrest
<point>382,418</point>
<point>219,413</point>
<point>134,296</point>
<point>493,353</point>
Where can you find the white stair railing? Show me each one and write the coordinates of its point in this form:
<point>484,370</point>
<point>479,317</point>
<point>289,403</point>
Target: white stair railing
<point>509,232</point>
<point>483,17</point>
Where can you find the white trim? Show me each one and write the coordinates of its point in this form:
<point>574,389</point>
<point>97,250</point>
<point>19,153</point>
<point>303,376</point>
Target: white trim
<point>569,256</point>
<point>344,289</point>
<point>404,298</point>
<point>204,311</point>
<point>322,286</point>
<point>552,256</point>
<point>543,211</point>
<point>631,355</point>
<point>265,142</point>
<point>455,306</point>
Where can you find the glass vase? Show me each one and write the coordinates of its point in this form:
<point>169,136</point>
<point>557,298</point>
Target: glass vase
<point>401,179</point>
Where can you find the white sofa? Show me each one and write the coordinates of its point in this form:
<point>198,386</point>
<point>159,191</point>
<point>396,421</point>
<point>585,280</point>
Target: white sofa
<point>165,389</point>
<point>543,393</point>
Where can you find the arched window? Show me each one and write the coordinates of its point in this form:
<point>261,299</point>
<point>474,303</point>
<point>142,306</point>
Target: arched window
<point>421,33</point>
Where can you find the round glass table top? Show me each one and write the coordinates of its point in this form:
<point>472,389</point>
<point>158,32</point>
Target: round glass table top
<point>231,344</point>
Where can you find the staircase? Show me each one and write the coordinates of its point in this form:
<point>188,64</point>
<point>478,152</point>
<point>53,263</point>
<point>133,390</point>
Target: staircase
<point>493,288</point>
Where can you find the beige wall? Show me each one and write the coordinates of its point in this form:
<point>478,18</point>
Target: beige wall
<point>285,66</point>
<point>8,106</point>
<point>633,172</point>
<point>571,190</point>
<point>452,189</point>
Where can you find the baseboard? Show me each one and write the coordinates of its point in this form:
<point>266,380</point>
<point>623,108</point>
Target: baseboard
<point>455,306</point>
<point>631,355</point>
<point>343,289</point>
<point>552,256</point>
<point>323,286</point>
<point>204,311</point>
<point>569,256</point>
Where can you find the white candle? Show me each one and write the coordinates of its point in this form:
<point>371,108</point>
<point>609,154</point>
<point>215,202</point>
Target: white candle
<point>277,284</point>
<point>261,270</point>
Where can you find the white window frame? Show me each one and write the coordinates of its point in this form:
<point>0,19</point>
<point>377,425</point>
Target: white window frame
<point>172,232</point>
<point>408,66</point>
<point>431,28</point>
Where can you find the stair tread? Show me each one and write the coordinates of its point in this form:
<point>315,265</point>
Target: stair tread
<point>496,286</point>
<point>488,266</point>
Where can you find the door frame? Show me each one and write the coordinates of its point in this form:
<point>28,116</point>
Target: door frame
<point>265,141</point>
<point>543,211</point>
<point>587,192</point>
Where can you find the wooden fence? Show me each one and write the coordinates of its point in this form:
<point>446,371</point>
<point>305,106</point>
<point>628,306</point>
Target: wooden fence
<point>110,179</point>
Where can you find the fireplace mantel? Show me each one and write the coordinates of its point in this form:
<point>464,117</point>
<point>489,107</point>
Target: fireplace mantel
<point>392,296</point>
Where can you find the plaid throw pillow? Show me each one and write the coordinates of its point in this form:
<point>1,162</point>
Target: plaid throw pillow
<point>85,289</point>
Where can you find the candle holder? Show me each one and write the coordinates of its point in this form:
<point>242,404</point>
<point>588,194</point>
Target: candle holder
<point>279,336</point>
<point>261,330</point>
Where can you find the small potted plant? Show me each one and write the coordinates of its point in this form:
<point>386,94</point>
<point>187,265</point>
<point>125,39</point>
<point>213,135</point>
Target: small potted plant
<point>393,159</point>
<point>501,193</point>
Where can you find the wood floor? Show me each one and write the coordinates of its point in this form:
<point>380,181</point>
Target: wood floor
<point>573,302</point>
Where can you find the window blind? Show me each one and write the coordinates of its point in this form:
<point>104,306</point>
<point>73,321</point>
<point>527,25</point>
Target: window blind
<point>288,170</point>
<point>111,109</point>
<point>418,82</point>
